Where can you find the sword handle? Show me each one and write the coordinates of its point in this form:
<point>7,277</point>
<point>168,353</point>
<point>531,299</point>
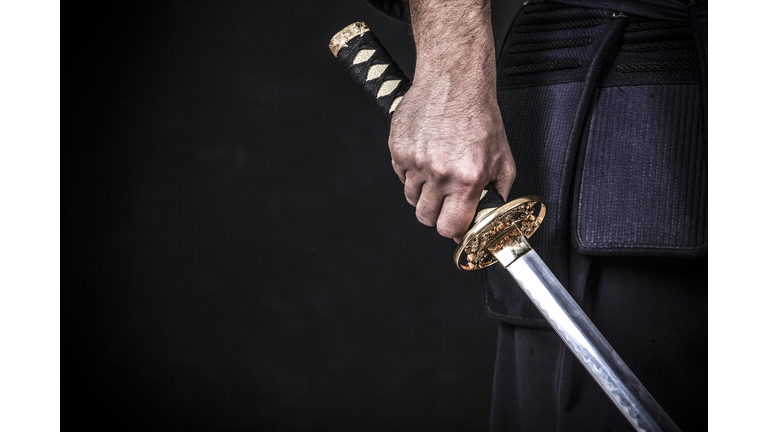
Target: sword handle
<point>385,84</point>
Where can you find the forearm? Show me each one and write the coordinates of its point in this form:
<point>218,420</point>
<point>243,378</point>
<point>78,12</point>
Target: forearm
<point>454,41</point>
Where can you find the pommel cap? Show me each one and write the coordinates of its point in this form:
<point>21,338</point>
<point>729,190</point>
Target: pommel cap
<point>340,39</point>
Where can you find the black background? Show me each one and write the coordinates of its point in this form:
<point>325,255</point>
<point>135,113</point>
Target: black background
<point>244,258</point>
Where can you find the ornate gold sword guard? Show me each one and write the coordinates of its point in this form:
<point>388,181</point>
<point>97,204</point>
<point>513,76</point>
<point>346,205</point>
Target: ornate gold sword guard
<point>496,233</point>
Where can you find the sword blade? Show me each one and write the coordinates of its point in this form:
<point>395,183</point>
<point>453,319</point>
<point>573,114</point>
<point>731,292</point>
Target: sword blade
<point>588,344</point>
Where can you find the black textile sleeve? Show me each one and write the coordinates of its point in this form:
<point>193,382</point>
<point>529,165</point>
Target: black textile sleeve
<point>397,9</point>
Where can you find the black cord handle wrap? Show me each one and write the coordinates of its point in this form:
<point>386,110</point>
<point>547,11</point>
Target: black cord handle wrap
<point>371,67</point>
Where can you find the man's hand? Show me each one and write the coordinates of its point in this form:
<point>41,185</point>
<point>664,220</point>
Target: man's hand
<point>447,138</point>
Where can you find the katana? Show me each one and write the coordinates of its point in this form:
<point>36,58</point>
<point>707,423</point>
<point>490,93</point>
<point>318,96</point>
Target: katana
<point>500,235</point>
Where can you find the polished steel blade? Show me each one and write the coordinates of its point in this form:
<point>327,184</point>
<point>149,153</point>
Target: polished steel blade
<point>589,346</point>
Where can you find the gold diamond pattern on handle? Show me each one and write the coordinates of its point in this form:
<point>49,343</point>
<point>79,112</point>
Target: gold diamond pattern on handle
<point>376,70</point>
<point>387,87</point>
<point>395,103</point>
<point>363,56</point>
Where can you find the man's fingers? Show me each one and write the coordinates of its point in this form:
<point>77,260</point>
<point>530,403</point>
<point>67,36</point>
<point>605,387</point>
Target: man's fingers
<point>412,190</point>
<point>456,215</point>
<point>399,171</point>
<point>430,202</point>
<point>505,179</point>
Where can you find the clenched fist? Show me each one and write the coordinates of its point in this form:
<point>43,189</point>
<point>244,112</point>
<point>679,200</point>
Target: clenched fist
<point>447,137</point>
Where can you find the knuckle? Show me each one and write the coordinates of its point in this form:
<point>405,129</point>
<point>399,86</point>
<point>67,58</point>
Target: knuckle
<point>398,155</point>
<point>440,172</point>
<point>469,177</point>
<point>419,159</point>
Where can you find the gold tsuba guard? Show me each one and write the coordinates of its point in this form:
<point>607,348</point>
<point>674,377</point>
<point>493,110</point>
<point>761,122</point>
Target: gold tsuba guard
<point>497,229</point>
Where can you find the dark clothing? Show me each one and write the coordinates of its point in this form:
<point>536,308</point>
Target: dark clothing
<point>606,123</point>
<point>604,103</point>
<point>651,310</point>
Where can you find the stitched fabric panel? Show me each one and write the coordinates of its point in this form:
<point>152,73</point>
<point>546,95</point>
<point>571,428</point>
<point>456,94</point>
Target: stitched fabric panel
<point>653,56</point>
<point>646,164</point>
<point>553,46</point>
